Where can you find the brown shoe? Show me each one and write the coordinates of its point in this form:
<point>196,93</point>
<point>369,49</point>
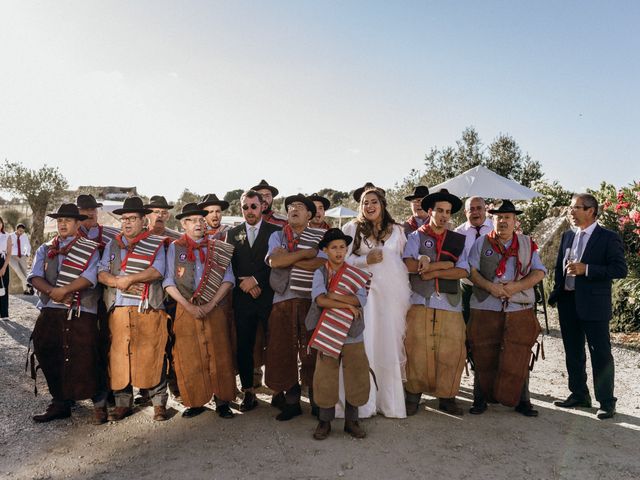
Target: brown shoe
<point>119,413</point>
<point>450,406</point>
<point>159,413</point>
<point>99,415</point>
<point>353,428</point>
<point>322,430</point>
<point>54,411</point>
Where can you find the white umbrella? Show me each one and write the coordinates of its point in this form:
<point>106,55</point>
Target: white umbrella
<point>340,212</point>
<point>481,182</point>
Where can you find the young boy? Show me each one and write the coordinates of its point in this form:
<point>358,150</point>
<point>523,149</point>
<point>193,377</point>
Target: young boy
<point>338,294</point>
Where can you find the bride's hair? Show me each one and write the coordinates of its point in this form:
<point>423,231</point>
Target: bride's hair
<point>365,228</point>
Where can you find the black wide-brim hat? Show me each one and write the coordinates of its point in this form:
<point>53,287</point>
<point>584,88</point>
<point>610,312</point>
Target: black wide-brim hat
<point>334,234</point>
<point>419,192</point>
<point>263,185</point>
<point>190,209</point>
<point>301,198</point>
<point>442,196</point>
<point>68,210</point>
<point>87,201</point>
<point>357,193</point>
<point>505,206</point>
<point>158,201</point>
<point>132,205</point>
<point>212,199</point>
<point>326,203</point>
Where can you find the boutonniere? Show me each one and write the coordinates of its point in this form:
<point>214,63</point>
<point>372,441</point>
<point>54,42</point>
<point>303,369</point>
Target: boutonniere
<point>241,237</point>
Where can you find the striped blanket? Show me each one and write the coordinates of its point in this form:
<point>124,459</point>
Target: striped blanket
<point>334,324</point>
<point>218,259</point>
<point>141,258</point>
<point>299,279</point>
<point>76,262</point>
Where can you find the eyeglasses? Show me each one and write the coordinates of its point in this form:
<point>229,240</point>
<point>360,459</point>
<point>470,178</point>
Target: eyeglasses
<point>161,213</point>
<point>579,207</point>
<point>296,206</point>
<point>195,220</point>
<point>129,219</point>
<point>253,206</point>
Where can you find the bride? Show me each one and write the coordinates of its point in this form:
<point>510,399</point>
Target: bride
<point>378,243</point>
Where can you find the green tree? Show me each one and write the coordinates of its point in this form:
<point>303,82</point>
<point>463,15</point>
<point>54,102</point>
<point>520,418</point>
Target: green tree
<point>187,196</point>
<point>506,158</point>
<point>41,188</point>
<point>233,197</point>
<point>336,197</point>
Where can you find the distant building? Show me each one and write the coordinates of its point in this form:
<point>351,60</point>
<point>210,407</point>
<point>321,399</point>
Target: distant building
<point>108,192</point>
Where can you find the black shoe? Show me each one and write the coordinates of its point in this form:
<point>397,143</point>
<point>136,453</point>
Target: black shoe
<point>289,411</point>
<point>606,412</point>
<point>54,412</point>
<point>450,406</point>
<point>573,401</point>
<point>412,408</point>
<point>224,411</point>
<point>526,409</point>
<point>193,411</point>
<point>249,403</point>
<point>478,408</point>
<point>278,401</point>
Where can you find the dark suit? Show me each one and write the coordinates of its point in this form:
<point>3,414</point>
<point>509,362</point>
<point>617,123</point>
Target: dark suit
<point>585,312</point>
<point>249,312</point>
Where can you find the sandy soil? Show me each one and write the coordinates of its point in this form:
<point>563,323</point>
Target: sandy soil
<point>499,444</point>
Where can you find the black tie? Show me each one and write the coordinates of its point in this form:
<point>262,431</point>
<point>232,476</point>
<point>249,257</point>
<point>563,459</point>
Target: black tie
<point>478,230</point>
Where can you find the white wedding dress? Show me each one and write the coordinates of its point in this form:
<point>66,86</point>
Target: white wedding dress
<point>384,319</point>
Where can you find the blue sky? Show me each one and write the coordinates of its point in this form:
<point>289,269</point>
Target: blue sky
<point>214,96</point>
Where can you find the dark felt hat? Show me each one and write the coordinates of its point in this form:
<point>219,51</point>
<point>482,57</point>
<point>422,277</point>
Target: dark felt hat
<point>334,234</point>
<point>301,198</point>
<point>68,210</point>
<point>419,192</point>
<point>263,185</point>
<point>87,201</point>
<point>442,196</point>
<point>505,206</point>
<point>357,193</point>
<point>132,205</point>
<point>212,199</point>
<point>190,209</point>
<point>158,201</point>
<point>326,203</point>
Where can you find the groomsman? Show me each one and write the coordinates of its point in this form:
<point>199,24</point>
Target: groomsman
<point>20,253</point>
<point>322,205</point>
<point>418,216</point>
<point>132,269</point>
<point>268,193</point>
<point>252,294</point>
<point>477,224</point>
<point>588,260</point>
<point>214,208</point>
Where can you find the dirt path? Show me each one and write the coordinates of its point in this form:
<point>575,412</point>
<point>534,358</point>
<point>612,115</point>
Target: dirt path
<point>499,444</point>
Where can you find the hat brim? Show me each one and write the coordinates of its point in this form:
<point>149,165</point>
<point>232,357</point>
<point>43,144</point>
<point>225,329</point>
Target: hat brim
<point>165,207</point>
<point>141,211</point>
<point>223,204</point>
<point>430,200</point>
<point>67,215</point>
<point>410,198</point>
<point>274,191</point>
<point>493,211</point>
<point>96,205</point>
<point>323,243</point>
<point>202,213</point>
<point>311,207</point>
<point>325,201</point>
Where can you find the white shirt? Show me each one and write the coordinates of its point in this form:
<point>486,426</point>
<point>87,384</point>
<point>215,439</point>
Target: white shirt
<point>586,235</point>
<point>25,245</point>
<point>470,232</point>
<point>3,243</point>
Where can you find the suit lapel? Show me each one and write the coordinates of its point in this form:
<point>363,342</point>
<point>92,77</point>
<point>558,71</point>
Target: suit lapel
<point>593,239</point>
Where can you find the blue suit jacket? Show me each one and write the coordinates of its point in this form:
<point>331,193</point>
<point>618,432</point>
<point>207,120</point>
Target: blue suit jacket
<point>604,253</point>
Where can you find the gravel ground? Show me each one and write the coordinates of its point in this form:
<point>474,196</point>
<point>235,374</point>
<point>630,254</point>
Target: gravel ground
<point>499,444</point>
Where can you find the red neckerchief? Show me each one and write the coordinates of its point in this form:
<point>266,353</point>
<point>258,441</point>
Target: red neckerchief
<point>413,223</point>
<point>512,251</point>
<point>55,250</point>
<point>98,239</point>
<point>333,275</point>
<point>192,245</point>
<point>269,218</point>
<point>131,245</point>
<point>292,242</point>
<point>427,230</point>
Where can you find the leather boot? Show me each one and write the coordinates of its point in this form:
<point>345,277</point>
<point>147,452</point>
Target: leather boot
<point>119,413</point>
<point>322,430</point>
<point>526,409</point>
<point>289,411</point>
<point>278,400</point>
<point>99,415</point>
<point>54,411</point>
<point>159,413</point>
<point>353,428</point>
<point>450,406</point>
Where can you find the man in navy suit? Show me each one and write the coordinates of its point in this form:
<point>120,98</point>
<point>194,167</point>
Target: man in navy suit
<point>588,260</point>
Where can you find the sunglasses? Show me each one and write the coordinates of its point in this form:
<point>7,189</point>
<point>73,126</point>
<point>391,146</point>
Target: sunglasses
<point>253,206</point>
